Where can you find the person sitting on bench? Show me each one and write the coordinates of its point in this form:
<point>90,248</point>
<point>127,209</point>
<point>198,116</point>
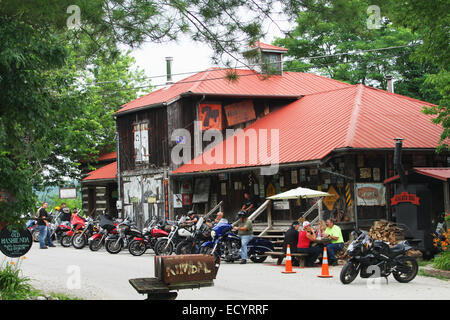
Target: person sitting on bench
<point>291,239</point>
<point>304,241</point>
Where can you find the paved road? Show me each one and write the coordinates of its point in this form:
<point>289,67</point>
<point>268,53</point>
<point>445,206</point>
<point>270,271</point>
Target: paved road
<point>105,276</point>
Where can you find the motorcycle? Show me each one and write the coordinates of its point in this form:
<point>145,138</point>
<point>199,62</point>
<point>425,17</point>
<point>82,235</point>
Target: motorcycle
<point>80,239</point>
<point>127,231</point>
<point>150,234</point>
<point>107,226</point>
<point>193,243</point>
<point>226,245</point>
<point>78,224</point>
<point>374,258</point>
<point>165,246</point>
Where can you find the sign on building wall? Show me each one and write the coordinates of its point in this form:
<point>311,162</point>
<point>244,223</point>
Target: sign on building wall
<point>330,201</point>
<point>370,194</point>
<point>240,112</point>
<point>281,205</point>
<point>210,116</point>
<point>141,144</point>
<point>16,242</point>
<point>201,190</point>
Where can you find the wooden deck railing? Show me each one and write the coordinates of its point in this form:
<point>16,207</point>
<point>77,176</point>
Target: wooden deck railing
<point>216,208</point>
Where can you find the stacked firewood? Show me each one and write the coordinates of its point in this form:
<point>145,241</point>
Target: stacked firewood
<point>387,232</point>
<point>342,255</point>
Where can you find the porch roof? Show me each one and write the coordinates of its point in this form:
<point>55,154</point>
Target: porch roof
<point>108,172</point>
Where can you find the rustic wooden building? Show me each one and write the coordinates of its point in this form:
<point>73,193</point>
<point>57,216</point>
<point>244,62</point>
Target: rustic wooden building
<point>99,187</point>
<point>332,136</point>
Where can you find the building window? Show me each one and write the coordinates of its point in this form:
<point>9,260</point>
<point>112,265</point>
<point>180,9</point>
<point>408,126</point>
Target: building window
<point>141,145</point>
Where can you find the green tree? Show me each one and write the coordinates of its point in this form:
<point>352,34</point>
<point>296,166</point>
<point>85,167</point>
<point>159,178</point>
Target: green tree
<point>344,47</point>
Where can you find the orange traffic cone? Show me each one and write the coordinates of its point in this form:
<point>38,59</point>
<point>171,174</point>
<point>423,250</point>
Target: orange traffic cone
<point>325,273</point>
<point>288,261</point>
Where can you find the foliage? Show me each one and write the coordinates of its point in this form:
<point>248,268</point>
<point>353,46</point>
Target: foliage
<point>336,34</point>
<point>442,261</point>
<point>12,285</point>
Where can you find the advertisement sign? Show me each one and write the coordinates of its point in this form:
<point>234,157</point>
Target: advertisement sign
<point>177,201</point>
<point>281,205</point>
<point>210,116</point>
<point>370,194</point>
<point>331,200</point>
<point>239,112</point>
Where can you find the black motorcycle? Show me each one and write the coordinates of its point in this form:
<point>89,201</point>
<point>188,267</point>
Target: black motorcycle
<point>193,243</point>
<point>374,258</point>
<point>127,231</point>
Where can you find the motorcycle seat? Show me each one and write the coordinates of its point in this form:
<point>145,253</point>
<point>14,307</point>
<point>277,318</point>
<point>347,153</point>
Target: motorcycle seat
<point>398,248</point>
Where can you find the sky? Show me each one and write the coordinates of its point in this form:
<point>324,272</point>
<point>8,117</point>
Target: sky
<point>188,55</point>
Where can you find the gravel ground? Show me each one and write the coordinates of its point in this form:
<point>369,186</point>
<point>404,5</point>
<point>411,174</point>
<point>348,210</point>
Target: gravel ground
<point>105,276</point>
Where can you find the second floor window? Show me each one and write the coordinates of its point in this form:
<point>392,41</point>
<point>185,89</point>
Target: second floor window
<point>141,142</point>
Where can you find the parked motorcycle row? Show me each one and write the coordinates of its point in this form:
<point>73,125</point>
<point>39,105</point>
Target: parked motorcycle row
<point>164,237</point>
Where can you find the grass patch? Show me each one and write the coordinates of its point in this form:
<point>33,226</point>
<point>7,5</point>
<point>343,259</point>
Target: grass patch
<point>442,261</point>
<point>14,286</point>
<point>423,263</point>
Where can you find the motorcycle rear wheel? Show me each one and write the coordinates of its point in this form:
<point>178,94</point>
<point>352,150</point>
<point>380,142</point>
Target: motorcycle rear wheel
<point>408,276</point>
<point>258,259</point>
<point>185,247</point>
<point>79,241</point>
<point>95,244</point>
<point>114,246</point>
<point>348,273</point>
<point>162,248</point>
<point>66,241</point>
<point>137,248</point>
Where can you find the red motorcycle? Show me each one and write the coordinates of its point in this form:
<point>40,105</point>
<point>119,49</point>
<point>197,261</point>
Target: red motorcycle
<point>107,226</point>
<point>139,245</point>
<point>78,225</point>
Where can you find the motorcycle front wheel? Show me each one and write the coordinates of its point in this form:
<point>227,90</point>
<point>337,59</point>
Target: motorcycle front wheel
<point>95,244</point>
<point>258,258</point>
<point>114,246</point>
<point>406,270</point>
<point>79,241</point>
<point>348,272</point>
<point>36,235</point>
<point>163,247</point>
<point>137,248</point>
<point>66,241</point>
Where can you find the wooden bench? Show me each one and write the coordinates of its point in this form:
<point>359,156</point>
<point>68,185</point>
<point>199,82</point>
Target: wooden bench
<point>281,255</point>
<point>158,290</point>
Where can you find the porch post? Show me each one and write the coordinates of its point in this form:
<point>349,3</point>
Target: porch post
<point>446,196</point>
<point>320,209</point>
<point>269,214</point>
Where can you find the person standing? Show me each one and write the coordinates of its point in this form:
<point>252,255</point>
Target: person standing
<point>245,231</point>
<point>337,241</point>
<point>42,225</point>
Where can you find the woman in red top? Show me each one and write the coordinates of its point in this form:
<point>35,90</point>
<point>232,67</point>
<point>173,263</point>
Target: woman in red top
<point>304,241</point>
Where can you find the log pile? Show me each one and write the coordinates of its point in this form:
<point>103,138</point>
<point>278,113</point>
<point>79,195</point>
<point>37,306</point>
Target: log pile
<point>386,231</point>
<point>342,255</point>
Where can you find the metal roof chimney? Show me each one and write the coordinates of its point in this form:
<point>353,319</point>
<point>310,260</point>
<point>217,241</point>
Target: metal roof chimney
<point>169,70</point>
<point>390,83</point>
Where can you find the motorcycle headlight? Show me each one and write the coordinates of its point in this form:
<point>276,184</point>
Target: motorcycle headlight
<point>213,234</point>
<point>351,247</point>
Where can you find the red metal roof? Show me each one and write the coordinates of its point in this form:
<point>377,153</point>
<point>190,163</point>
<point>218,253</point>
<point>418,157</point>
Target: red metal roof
<point>214,81</point>
<point>356,116</point>
<point>266,46</point>
<point>108,156</point>
<point>108,172</point>
<point>438,173</point>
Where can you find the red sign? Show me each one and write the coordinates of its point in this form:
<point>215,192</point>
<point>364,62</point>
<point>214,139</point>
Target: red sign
<point>187,199</point>
<point>240,112</point>
<point>405,197</point>
<point>210,115</point>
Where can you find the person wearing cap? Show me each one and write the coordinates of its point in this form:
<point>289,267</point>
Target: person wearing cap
<point>291,239</point>
<point>65,213</point>
<point>244,227</point>
<point>305,237</point>
<point>193,218</point>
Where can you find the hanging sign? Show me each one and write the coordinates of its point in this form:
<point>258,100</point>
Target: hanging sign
<point>187,199</point>
<point>16,242</point>
<point>331,200</point>
<point>210,116</point>
<point>239,112</point>
<point>405,197</point>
